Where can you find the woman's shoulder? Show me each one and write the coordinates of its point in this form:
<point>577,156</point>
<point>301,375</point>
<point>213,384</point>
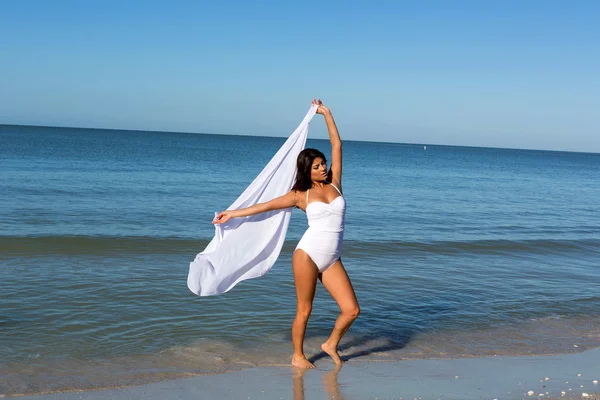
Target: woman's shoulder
<point>298,195</point>
<point>334,184</point>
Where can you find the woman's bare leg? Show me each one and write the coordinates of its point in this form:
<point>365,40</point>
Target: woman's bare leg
<point>305,279</point>
<point>336,281</point>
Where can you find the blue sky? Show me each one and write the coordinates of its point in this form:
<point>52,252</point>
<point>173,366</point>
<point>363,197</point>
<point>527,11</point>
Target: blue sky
<point>520,74</point>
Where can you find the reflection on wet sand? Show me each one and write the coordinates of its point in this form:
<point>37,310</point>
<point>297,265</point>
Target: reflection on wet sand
<point>329,379</point>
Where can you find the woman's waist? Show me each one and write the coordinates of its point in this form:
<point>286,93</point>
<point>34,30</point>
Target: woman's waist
<point>326,230</point>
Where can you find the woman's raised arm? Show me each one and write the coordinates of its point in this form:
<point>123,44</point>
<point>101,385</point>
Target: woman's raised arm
<point>286,201</point>
<point>335,171</point>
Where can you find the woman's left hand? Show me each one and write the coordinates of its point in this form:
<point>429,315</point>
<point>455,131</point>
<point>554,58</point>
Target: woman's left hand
<point>322,109</point>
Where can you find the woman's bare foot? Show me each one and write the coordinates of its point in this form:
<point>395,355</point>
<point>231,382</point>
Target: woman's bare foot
<point>332,351</point>
<point>301,362</point>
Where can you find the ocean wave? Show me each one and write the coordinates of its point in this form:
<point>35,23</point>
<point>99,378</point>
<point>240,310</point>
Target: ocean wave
<point>498,246</point>
<point>23,246</point>
<point>218,355</point>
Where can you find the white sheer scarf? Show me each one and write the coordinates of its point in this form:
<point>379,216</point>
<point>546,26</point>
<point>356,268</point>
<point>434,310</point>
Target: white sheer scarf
<point>247,247</point>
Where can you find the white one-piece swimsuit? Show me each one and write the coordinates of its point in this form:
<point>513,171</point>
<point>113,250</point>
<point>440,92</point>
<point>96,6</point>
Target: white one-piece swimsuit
<point>322,241</point>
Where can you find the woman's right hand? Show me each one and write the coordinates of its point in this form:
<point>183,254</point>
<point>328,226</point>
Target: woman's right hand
<point>222,217</point>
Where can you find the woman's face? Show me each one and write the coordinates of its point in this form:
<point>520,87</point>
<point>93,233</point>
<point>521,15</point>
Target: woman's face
<point>318,170</point>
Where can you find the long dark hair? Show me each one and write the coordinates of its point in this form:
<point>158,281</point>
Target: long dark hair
<point>303,167</point>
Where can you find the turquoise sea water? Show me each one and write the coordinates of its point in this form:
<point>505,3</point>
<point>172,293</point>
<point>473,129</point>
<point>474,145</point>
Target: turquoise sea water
<point>453,252</point>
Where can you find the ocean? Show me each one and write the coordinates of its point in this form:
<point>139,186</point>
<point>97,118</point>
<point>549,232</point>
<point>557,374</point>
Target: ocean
<point>453,252</point>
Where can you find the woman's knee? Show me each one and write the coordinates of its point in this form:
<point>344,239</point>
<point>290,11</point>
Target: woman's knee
<point>303,312</point>
<point>351,312</point>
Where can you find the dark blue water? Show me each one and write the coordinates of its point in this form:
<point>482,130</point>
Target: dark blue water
<point>453,252</point>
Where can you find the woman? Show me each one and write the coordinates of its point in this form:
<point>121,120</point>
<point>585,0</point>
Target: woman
<point>318,252</point>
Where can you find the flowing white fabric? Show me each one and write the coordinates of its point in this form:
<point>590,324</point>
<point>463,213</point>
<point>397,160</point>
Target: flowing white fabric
<point>247,247</point>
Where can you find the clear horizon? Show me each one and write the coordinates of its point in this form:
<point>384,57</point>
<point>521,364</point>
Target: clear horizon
<point>310,138</point>
<point>519,76</point>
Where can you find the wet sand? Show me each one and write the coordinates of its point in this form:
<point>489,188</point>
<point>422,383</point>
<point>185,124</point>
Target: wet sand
<point>526,377</point>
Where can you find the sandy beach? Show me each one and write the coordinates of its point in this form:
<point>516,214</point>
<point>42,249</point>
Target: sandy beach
<point>556,376</point>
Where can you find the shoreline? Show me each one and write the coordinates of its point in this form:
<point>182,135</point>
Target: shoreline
<point>493,377</point>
